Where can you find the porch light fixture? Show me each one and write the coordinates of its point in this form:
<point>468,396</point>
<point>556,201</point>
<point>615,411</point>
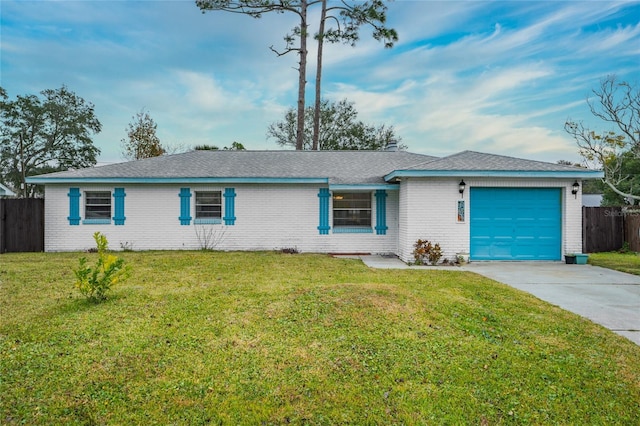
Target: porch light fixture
<point>575,187</point>
<point>461,187</point>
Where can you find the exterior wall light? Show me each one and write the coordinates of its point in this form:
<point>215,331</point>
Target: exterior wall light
<point>575,187</point>
<point>461,187</point>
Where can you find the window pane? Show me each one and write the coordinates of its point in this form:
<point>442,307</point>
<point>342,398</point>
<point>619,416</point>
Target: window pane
<point>208,197</point>
<point>352,218</point>
<point>352,209</point>
<point>97,205</point>
<point>98,212</point>
<point>352,200</point>
<point>352,204</point>
<point>208,211</point>
<point>102,197</point>
<point>208,204</point>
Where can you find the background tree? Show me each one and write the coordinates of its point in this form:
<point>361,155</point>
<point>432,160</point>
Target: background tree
<point>176,148</point>
<point>348,17</point>
<point>45,134</point>
<point>589,186</point>
<point>206,147</point>
<point>614,151</point>
<point>630,184</point>
<point>346,20</point>
<point>235,146</point>
<point>255,9</point>
<point>339,129</point>
<point>142,140</point>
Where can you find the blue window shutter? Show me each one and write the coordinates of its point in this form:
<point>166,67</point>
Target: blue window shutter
<point>381,212</point>
<point>118,208</point>
<point>229,206</point>
<point>324,196</point>
<point>185,206</point>
<point>74,206</point>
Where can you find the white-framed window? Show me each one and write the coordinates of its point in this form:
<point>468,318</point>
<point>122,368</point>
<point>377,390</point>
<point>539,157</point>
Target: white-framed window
<point>97,206</point>
<point>208,206</point>
<point>352,210</point>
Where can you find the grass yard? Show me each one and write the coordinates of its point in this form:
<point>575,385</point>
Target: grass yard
<point>625,262</point>
<point>268,338</point>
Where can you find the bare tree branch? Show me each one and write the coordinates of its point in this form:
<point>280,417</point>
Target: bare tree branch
<point>617,103</point>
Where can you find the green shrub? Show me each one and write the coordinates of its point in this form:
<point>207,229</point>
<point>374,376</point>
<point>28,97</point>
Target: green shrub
<point>435,254</point>
<point>94,282</point>
<point>424,251</point>
<point>625,249</point>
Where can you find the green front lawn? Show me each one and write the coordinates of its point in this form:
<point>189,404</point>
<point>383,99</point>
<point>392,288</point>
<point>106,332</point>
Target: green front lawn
<point>268,338</point>
<point>625,262</point>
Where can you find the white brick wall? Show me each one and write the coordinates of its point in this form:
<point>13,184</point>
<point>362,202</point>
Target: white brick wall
<point>267,217</point>
<point>286,216</point>
<point>428,210</point>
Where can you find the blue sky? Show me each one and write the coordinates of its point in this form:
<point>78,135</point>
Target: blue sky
<point>499,77</point>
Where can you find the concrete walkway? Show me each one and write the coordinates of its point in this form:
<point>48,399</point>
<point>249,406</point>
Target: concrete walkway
<point>606,297</point>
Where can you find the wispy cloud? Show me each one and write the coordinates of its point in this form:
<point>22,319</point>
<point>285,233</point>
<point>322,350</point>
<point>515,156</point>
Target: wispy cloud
<point>493,76</point>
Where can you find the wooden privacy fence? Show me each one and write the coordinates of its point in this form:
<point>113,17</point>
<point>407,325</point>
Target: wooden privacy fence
<point>632,229</point>
<point>609,228</point>
<point>602,229</point>
<point>21,224</point>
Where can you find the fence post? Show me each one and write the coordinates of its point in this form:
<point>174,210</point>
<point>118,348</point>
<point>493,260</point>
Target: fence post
<point>585,225</point>
<point>2,226</point>
<point>632,229</point>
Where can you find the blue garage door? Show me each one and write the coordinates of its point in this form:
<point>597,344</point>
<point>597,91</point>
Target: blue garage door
<point>515,223</point>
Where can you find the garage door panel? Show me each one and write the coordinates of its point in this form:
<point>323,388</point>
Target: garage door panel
<point>501,230</point>
<point>497,250</point>
<point>515,223</point>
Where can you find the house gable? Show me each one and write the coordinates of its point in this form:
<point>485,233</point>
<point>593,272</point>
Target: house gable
<point>477,164</point>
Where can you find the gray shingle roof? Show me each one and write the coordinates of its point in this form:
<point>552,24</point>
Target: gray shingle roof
<point>476,161</point>
<point>334,167</point>
<point>339,167</point>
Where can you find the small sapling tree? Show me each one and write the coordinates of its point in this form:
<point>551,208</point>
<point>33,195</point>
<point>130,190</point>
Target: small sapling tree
<point>94,282</point>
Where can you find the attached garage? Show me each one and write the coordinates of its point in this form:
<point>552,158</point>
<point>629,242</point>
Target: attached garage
<point>515,223</point>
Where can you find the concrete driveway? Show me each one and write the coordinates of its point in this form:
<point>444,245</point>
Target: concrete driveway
<point>606,297</point>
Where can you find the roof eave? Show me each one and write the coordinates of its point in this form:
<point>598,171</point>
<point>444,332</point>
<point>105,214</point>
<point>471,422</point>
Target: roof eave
<point>158,180</point>
<point>553,174</point>
<point>6,192</point>
<point>364,187</point>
